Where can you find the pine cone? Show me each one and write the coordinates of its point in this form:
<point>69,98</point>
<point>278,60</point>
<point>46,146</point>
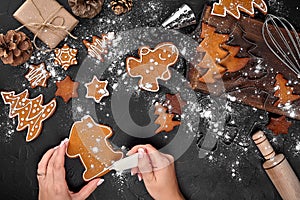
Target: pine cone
<point>121,6</point>
<point>86,8</point>
<point>15,48</point>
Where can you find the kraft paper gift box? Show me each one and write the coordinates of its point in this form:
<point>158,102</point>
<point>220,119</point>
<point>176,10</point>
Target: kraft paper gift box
<point>47,19</point>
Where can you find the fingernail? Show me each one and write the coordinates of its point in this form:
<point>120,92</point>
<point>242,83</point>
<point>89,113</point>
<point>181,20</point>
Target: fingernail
<point>100,182</point>
<point>132,173</point>
<point>66,140</point>
<point>141,152</point>
<point>61,143</point>
<point>55,147</point>
<point>139,177</point>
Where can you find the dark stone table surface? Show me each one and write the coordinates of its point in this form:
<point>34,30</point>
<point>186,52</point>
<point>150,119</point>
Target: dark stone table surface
<point>233,170</point>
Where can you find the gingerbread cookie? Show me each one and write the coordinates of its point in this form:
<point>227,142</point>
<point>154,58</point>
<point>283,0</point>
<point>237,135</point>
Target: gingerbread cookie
<point>31,113</point>
<point>219,57</point>
<point>99,46</point>
<point>89,141</point>
<point>38,75</point>
<point>174,103</point>
<point>165,120</point>
<point>279,125</point>
<point>67,89</point>
<point>283,92</point>
<point>96,89</point>
<point>152,65</point>
<point>65,56</point>
<point>233,7</point>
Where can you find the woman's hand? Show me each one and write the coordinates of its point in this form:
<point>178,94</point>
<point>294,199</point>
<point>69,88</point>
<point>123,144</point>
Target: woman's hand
<point>51,177</point>
<point>158,172</point>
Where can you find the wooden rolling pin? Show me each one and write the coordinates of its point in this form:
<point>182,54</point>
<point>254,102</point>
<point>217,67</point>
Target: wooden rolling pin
<point>278,169</point>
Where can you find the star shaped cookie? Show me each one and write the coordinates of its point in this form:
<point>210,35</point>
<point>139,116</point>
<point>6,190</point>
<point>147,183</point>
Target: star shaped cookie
<point>279,125</point>
<point>38,75</point>
<point>96,89</point>
<point>65,56</point>
<point>67,89</point>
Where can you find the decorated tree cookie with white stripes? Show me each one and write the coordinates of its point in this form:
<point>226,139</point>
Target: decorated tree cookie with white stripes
<point>31,112</point>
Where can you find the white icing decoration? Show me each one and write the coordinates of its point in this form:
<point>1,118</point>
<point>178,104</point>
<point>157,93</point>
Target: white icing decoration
<point>90,125</point>
<point>261,6</point>
<point>38,75</point>
<point>24,112</point>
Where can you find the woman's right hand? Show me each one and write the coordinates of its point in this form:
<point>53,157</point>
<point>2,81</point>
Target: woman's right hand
<point>158,172</point>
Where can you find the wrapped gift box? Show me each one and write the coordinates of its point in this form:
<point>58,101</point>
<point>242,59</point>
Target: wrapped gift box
<point>48,20</point>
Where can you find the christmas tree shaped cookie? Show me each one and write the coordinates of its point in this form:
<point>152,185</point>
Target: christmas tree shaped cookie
<point>219,57</point>
<point>164,119</point>
<point>89,141</point>
<point>233,7</point>
<point>31,113</point>
<point>152,65</point>
<point>99,46</point>
<point>284,93</point>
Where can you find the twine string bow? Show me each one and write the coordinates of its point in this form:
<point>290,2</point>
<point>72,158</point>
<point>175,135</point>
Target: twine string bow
<point>46,24</point>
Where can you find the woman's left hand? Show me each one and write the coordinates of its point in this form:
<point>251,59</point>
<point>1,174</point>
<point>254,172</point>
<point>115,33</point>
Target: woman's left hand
<point>51,177</point>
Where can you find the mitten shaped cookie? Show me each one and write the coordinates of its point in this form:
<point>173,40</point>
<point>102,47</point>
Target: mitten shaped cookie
<point>89,141</point>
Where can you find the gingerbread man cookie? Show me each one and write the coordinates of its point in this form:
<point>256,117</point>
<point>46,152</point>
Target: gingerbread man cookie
<point>152,65</point>
<point>233,7</point>
<point>96,89</point>
<point>65,56</point>
<point>31,112</point>
<point>38,75</point>
<point>89,141</point>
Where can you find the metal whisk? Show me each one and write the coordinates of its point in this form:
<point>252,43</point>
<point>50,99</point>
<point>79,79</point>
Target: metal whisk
<point>284,42</point>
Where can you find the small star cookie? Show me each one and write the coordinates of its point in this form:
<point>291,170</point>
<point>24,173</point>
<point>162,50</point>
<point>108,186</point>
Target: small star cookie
<point>279,125</point>
<point>38,75</point>
<point>67,89</point>
<point>96,89</point>
<point>65,56</point>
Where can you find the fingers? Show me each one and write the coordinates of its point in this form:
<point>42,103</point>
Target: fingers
<point>59,163</point>
<point>145,166</point>
<point>87,190</point>
<point>134,171</point>
<point>55,166</point>
<point>42,166</point>
<point>158,160</point>
<point>150,161</point>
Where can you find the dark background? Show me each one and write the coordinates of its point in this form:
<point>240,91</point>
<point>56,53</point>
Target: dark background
<point>231,171</point>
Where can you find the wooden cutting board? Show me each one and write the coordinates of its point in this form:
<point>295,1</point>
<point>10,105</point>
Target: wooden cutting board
<point>255,83</point>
